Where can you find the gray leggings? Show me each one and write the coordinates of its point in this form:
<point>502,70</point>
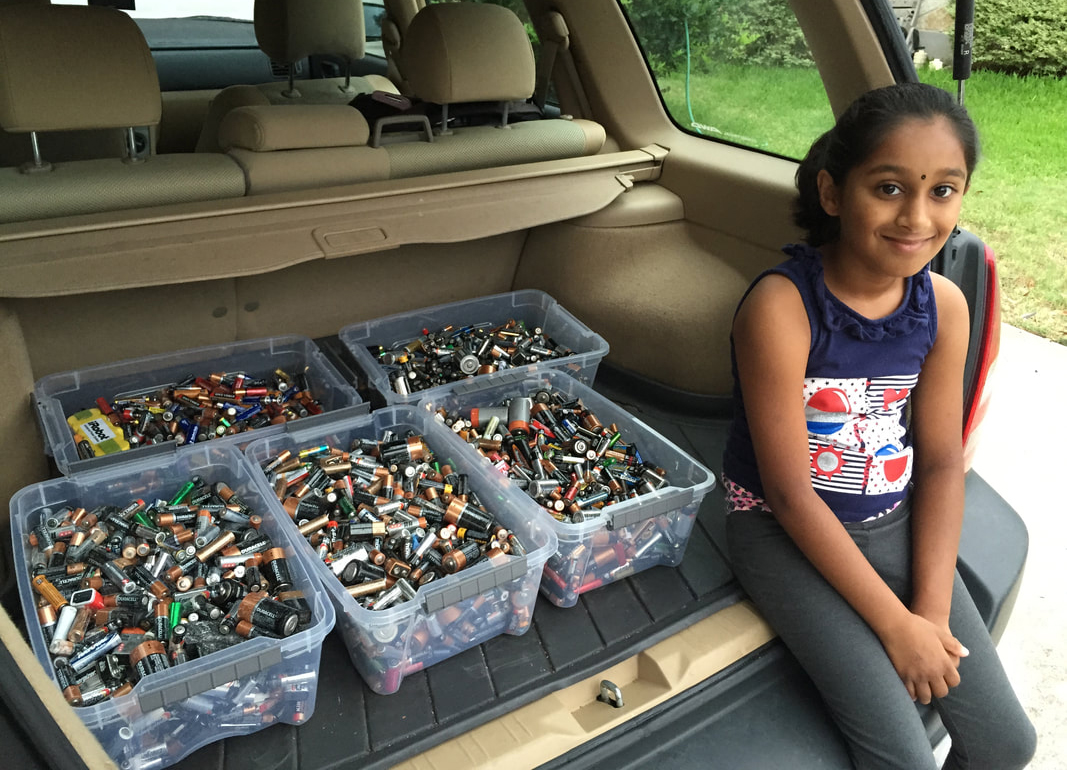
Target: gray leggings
<point>845,659</point>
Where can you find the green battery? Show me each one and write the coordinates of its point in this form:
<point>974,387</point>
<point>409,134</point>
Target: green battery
<point>175,614</point>
<point>184,492</point>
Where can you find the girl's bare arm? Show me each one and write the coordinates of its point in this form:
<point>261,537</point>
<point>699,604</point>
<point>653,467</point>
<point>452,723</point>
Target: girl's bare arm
<point>937,420</point>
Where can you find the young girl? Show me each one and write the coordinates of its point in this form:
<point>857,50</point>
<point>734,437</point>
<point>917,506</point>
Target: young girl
<point>843,469</point>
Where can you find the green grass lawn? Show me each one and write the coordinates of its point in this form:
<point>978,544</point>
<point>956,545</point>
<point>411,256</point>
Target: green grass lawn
<point>1018,197</point>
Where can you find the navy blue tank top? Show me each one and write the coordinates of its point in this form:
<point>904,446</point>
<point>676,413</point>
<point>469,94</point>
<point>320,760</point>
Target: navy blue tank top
<point>859,377</point>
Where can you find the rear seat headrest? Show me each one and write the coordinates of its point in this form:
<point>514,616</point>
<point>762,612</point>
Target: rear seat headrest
<point>291,30</point>
<point>74,67</point>
<point>467,52</point>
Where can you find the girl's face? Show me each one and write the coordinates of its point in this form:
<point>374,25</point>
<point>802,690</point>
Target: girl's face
<point>898,207</point>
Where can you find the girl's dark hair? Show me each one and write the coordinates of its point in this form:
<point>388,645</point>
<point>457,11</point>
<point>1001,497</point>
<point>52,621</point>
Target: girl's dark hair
<point>858,132</point>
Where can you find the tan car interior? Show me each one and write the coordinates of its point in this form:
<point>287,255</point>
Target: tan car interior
<point>622,227</point>
<point>287,33</point>
<point>295,224</point>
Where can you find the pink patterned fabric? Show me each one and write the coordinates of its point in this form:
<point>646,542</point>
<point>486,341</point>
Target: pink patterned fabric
<point>740,499</point>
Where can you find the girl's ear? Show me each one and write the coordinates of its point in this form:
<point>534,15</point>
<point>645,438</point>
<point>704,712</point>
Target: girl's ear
<point>827,193</point>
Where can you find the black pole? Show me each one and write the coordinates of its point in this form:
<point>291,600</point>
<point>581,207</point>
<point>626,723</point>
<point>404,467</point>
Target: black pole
<point>961,56</point>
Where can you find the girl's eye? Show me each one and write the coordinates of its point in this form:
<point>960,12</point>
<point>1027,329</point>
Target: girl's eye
<point>943,191</point>
<point>889,189</point>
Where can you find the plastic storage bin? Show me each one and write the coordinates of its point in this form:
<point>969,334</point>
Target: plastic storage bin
<point>62,394</point>
<point>452,613</point>
<point>599,551</point>
<point>533,307</point>
<point>166,715</point>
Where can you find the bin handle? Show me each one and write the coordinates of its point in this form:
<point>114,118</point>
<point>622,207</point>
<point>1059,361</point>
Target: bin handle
<point>649,509</point>
<point>468,586</point>
<point>209,679</point>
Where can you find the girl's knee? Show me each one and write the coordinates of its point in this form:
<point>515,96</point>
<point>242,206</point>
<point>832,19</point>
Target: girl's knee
<point>1019,748</point>
<point>918,757</point>
<point>1006,749</point>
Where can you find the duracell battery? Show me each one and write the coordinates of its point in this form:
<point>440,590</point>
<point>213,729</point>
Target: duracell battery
<point>465,515</point>
<point>276,569</point>
<point>47,617</point>
<point>161,621</point>
<point>212,548</point>
<point>367,589</point>
<point>266,613</point>
<point>65,676</point>
<point>149,658</point>
<point>458,558</point>
<point>298,602</point>
<point>607,557</point>
<point>411,449</point>
<point>365,529</point>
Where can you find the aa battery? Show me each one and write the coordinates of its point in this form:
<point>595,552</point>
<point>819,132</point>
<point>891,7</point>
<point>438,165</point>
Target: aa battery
<point>66,678</point>
<point>94,652</point>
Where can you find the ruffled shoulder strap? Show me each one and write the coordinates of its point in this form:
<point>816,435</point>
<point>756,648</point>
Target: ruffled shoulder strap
<point>916,311</point>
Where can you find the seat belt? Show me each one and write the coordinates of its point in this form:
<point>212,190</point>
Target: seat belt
<point>556,44</point>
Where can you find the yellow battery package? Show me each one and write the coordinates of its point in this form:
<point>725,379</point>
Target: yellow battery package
<point>93,430</point>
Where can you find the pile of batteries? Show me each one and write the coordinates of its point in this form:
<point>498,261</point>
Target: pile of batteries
<point>385,516</point>
<point>576,467</point>
<point>451,354</point>
<point>420,556</point>
<point>559,452</point>
<point>193,409</point>
<point>194,569</point>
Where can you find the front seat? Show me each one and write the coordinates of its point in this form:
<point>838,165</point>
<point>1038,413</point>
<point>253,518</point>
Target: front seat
<point>398,16</point>
<point>289,31</point>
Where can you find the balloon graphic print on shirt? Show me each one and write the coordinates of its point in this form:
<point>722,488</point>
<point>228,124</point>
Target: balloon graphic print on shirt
<point>856,433</point>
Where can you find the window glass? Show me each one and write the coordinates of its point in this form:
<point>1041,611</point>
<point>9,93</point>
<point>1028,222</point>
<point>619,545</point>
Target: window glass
<point>373,15</point>
<point>177,9</point>
<point>734,70</point>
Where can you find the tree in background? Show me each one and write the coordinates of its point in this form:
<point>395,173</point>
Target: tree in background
<point>1024,37</point>
<point>719,31</point>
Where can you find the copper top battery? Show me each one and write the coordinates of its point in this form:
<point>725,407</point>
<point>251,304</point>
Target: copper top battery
<point>270,615</point>
<point>149,658</point>
<point>276,569</point>
<point>66,678</point>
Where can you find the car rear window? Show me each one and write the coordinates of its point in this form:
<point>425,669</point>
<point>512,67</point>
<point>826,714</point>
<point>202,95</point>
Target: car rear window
<point>734,70</point>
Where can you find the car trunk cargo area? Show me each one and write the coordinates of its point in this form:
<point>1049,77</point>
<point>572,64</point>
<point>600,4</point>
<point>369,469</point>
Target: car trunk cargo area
<point>352,726</point>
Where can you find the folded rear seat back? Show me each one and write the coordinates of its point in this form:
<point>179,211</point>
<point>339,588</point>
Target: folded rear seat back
<point>297,147</point>
<point>72,68</point>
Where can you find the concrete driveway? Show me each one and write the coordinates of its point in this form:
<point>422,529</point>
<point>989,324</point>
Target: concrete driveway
<point>1022,455</point>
